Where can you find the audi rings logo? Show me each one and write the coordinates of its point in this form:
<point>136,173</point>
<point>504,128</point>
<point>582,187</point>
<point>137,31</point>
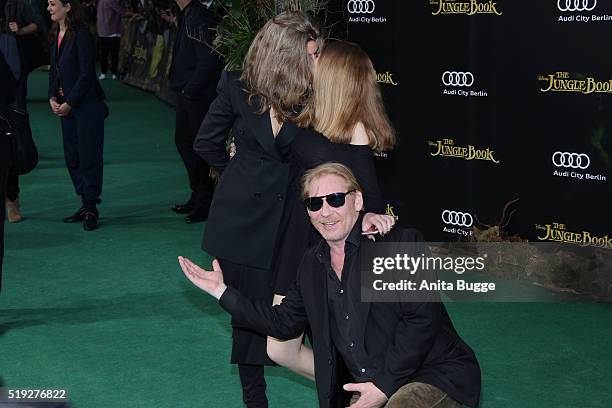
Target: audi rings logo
<point>457,218</point>
<point>571,160</point>
<point>454,78</point>
<point>361,6</point>
<point>576,5</point>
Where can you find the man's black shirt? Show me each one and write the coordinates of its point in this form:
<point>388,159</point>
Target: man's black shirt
<point>343,294</point>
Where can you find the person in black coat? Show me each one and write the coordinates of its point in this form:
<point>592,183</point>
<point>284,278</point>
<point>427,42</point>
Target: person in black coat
<point>194,74</point>
<point>9,71</point>
<point>247,207</point>
<point>75,95</point>
<point>400,353</point>
<point>8,85</point>
<point>20,23</point>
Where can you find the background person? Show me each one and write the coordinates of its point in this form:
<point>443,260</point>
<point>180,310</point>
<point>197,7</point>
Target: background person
<point>194,74</point>
<point>21,23</point>
<point>9,74</point>
<point>11,71</point>
<point>108,21</point>
<point>76,97</point>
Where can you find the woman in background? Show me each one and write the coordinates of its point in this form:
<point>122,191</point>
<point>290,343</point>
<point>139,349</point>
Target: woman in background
<point>108,22</point>
<point>75,95</point>
<point>349,123</point>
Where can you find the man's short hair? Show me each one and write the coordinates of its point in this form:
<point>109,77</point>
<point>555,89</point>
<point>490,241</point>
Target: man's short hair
<point>335,169</point>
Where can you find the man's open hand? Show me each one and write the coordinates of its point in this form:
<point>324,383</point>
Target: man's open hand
<point>210,282</point>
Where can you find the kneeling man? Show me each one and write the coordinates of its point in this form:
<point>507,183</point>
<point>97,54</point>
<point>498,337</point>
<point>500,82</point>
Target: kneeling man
<point>370,355</point>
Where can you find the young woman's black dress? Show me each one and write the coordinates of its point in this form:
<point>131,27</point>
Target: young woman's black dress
<point>310,149</point>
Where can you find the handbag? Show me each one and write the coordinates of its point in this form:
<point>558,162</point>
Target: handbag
<point>23,149</point>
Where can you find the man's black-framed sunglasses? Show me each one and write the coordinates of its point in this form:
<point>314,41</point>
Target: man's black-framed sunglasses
<point>335,200</point>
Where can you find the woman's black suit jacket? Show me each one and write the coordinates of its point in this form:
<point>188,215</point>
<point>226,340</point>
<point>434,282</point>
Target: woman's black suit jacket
<point>248,203</point>
<point>73,68</point>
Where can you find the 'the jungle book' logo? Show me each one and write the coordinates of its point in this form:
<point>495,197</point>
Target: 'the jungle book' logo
<point>446,147</point>
<point>470,7</point>
<point>557,232</point>
<point>566,82</point>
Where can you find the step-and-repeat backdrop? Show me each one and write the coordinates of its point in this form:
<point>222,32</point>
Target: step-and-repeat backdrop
<point>504,115</point>
<point>503,111</point>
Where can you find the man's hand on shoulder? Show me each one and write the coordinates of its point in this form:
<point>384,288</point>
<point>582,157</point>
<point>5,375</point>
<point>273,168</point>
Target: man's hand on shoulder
<point>377,224</point>
<point>369,395</point>
<point>209,281</point>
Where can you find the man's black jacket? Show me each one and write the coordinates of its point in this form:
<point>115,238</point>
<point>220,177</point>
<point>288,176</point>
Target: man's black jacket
<point>407,342</point>
<point>195,67</point>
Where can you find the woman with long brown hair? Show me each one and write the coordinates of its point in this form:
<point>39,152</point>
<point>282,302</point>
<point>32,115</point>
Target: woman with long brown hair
<point>76,97</point>
<point>247,208</point>
<point>348,122</point>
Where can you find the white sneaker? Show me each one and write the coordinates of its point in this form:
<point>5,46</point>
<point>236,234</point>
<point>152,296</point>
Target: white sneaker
<point>114,76</point>
<point>102,77</point>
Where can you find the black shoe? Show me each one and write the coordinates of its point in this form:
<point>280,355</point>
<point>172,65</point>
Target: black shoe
<point>197,216</point>
<point>90,221</point>
<point>76,217</point>
<point>183,208</point>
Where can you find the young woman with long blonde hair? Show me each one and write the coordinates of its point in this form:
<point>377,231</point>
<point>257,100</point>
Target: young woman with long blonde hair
<point>348,123</point>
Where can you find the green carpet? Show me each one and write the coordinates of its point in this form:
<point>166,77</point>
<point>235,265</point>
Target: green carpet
<point>108,315</point>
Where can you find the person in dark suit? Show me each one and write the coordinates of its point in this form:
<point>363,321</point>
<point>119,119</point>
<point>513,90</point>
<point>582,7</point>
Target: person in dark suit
<point>247,207</point>
<point>75,95</point>
<point>392,354</point>
<point>20,22</point>
<point>9,72</point>
<point>194,74</point>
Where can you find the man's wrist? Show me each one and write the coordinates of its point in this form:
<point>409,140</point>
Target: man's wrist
<point>384,386</point>
<point>219,291</point>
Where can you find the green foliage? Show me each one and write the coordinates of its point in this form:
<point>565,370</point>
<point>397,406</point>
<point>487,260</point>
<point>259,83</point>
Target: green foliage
<point>243,18</point>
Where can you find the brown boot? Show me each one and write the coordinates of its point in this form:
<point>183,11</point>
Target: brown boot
<point>12,210</point>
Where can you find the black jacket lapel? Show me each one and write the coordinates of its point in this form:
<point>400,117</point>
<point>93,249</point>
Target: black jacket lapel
<point>264,135</point>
